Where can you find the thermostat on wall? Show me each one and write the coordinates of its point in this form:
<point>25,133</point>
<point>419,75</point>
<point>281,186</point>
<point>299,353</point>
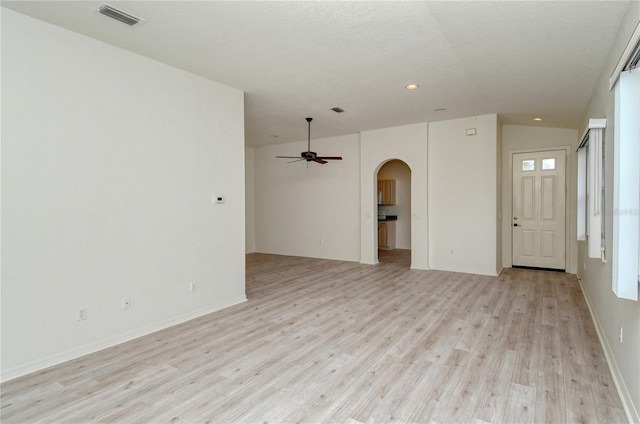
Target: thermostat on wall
<point>471,131</point>
<point>218,199</point>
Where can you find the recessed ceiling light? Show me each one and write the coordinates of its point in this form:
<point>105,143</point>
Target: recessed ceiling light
<point>273,136</point>
<point>440,109</point>
<point>411,86</point>
<point>538,119</point>
<point>337,109</point>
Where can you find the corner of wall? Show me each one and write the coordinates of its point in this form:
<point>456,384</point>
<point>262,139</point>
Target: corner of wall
<point>250,201</point>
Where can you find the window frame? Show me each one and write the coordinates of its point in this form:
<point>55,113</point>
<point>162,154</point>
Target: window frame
<point>626,184</point>
<point>626,187</point>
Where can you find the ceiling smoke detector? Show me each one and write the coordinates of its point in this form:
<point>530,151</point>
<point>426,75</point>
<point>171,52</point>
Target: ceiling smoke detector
<point>117,14</point>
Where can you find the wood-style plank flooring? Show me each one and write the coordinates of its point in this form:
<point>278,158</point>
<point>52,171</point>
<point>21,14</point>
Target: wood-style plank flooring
<point>324,341</point>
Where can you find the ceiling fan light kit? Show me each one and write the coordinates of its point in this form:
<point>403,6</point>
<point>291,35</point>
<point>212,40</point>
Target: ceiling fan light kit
<point>310,156</point>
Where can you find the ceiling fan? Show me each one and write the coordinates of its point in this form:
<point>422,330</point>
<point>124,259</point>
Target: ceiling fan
<point>310,156</point>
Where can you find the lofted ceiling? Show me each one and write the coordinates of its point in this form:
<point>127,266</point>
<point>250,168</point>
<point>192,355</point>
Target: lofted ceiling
<point>520,59</point>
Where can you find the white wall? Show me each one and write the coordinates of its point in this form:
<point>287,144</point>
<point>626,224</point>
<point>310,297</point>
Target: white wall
<point>308,209</point>
<point>407,143</point>
<point>610,313</point>
<point>462,195</point>
<point>522,138</point>
<point>109,164</point>
<point>250,193</point>
<point>400,172</point>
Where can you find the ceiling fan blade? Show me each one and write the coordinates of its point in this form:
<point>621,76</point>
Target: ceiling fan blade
<point>320,161</point>
<point>330,157</point>
<point>297,160</point>
<point>288,157</point>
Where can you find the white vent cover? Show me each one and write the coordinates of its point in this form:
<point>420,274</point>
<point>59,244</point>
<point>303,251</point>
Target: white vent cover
<point>630,57</point>
<point>118,15</point>
<point>634,61</point>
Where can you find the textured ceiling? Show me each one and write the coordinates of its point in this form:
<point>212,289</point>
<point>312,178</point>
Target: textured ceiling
<point>301,58</point>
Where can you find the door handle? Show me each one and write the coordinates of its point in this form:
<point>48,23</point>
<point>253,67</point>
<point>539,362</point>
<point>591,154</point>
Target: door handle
<point>517,225</point>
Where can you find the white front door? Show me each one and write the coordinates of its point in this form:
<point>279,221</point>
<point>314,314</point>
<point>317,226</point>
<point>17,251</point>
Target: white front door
<point>538,221</point>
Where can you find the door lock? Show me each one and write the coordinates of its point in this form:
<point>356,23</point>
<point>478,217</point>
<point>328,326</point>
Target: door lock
<point>517,225</point>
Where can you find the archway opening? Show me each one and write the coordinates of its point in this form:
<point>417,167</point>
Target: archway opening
<point>394,213</point>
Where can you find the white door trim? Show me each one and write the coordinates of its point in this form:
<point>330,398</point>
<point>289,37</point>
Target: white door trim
<point>507,203</point>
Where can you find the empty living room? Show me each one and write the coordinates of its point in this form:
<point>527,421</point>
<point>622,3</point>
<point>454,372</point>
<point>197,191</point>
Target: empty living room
<point>331,211</point>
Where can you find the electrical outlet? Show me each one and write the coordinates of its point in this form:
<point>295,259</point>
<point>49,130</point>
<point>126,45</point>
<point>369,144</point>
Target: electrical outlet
<point>81,314</point>
<point>125,303</point>
<point>192,286</point>
<point>620,334</point>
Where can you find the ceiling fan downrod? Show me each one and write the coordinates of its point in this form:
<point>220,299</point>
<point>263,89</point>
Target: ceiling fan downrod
<point>309,134</point>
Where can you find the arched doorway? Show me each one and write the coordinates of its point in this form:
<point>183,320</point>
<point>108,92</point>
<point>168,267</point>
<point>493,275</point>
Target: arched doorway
<point>394,213</point>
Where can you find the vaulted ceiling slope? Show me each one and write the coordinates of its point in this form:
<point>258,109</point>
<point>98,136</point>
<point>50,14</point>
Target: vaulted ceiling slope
<point>301,58</point>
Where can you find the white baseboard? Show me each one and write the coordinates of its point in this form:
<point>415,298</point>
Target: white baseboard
<point>42,363</point>
<point>627,403</point>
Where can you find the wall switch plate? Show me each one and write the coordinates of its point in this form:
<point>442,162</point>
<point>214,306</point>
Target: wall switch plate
<point>192,286</point>
<point>219,199</point>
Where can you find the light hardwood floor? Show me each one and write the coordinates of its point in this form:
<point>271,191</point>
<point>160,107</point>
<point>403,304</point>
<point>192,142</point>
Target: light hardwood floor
<point>330,341</point>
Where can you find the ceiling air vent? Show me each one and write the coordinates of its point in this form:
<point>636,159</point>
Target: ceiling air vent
<point>634,61</point>
<point>118,14</point>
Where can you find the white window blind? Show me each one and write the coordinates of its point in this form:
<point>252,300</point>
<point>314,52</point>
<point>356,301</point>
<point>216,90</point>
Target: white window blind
<point>626,186</point>
<point>582,194</point>
<point>590,200</point>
